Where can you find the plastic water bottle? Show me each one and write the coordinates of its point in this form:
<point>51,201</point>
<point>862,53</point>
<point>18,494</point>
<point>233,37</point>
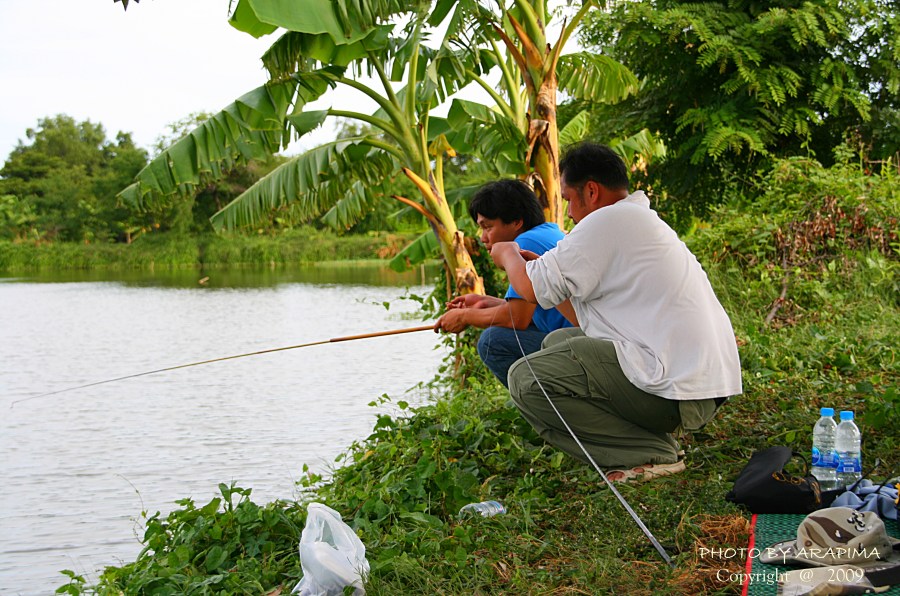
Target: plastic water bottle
<point>847,441</point>
<point>484,508</point>
<point>824,454</point>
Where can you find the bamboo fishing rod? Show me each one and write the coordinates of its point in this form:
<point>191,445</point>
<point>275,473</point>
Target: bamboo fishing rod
<point>269,351</point>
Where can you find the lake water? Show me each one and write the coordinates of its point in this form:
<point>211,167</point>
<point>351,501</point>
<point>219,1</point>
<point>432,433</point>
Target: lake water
<point>79,467</point>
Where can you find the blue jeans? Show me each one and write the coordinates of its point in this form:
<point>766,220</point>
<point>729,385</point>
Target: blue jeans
<point>499,348</point>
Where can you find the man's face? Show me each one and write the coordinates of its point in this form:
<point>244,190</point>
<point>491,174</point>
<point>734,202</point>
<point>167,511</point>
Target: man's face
<point>496,230</point>
<point>575,197</point>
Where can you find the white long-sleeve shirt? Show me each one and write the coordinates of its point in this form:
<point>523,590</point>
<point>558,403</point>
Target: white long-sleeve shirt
<point>632,281</point>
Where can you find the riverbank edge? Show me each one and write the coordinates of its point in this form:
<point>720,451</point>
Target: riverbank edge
<point>166,250</point>
<point>401,487</point>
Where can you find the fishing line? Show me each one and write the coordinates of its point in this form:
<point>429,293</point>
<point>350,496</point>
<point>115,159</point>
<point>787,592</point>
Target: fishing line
<point>269,351</point>
<point>631,512</point>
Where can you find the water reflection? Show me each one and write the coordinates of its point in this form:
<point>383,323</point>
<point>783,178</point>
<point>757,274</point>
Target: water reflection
<point>370,273</point>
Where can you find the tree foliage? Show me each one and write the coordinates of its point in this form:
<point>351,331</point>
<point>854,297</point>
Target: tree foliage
<point>192,214</point>
<point>732,84</point>
<point>63,184</point>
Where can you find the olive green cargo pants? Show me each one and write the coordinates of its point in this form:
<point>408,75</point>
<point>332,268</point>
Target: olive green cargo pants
<point>619,424</point>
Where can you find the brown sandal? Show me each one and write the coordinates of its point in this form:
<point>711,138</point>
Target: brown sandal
<point>646,472</point>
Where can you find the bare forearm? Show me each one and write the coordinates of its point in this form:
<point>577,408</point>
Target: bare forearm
<point>506,256</point>
<point>492,302</point>
<point>510,315</point>
<point>568,311</point>
<point>520,281</point>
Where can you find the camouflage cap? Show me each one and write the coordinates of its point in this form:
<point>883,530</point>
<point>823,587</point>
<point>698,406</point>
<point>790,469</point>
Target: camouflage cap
<point>836,536</point>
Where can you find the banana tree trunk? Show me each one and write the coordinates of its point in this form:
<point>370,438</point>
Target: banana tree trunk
<point>537,61</point>
<point>459,262</point>
<point>543,142</point>
<point>451,239</point>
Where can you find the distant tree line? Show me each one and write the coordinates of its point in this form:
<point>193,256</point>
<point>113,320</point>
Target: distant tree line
<point>728,87</point>
<point>61,186</point>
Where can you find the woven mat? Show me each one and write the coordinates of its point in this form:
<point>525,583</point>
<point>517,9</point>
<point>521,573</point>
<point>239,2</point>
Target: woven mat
<point>769,528</point>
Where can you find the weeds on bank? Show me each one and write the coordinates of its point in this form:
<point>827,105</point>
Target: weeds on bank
<point>169,250</point>
<point>817,323</point>
<point>229,545</point>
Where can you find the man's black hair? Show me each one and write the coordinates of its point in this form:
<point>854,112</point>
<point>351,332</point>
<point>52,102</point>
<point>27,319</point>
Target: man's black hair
<point>508,201</point>
<point>592,161</point>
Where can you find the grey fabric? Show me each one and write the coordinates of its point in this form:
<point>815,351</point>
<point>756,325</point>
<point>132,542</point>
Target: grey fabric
<point>619,424</point>
<point>867,496</point>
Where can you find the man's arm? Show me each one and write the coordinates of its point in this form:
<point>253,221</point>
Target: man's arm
<point>506,255</point>
<point>568,311</point>
<point>512,314</point>
<point>475,301</point>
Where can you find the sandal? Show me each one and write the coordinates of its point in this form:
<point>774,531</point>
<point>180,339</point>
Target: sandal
<point>646,472</point>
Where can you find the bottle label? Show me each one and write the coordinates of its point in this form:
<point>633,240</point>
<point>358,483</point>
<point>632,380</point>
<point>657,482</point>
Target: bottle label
<point>850,466</point>
<point>825,459</point>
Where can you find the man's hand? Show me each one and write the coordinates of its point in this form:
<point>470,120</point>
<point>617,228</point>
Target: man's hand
<point>473,301</point>
<point>505,254</point>
<point>528,255</point>
<point>452,321</point>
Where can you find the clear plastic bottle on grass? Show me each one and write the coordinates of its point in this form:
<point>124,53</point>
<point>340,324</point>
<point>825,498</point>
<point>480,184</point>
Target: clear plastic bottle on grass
<point>484,508</point>
<point>824,454</point>
<point>847,441</point>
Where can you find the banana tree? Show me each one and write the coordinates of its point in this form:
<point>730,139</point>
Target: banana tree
<point>325,47</point>
<point>532,73</point>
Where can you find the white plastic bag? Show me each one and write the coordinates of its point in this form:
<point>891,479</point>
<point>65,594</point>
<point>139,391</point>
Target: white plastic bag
<point>331,554</point>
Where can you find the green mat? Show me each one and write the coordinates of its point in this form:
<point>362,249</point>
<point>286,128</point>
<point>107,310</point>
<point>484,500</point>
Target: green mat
<point>769,528</point>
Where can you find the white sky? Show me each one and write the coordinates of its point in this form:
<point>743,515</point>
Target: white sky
<point>134,71</point>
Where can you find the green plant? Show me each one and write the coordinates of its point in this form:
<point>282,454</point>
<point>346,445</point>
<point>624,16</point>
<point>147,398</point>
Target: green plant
<point>230,545</point>
<point>812,237</point>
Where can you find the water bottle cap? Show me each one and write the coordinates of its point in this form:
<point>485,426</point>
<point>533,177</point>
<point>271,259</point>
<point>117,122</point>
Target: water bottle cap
<point>827,411</point>
<point>846,415</point>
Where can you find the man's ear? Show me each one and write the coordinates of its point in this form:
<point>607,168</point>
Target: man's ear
<point>599,195</point>
<point>519,224</point>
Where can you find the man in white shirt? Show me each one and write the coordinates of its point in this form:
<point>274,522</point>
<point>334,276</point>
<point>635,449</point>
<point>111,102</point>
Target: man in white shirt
<point>654,350</point>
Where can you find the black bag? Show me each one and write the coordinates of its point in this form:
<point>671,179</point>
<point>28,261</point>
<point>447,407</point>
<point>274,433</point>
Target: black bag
<point>764,487</point>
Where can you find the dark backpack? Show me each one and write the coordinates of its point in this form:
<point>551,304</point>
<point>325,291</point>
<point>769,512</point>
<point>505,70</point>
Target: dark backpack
<point>764,487</point>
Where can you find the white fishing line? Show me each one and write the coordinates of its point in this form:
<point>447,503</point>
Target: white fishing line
<point>631,512</point>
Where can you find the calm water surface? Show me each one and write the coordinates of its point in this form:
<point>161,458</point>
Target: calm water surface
<point>79,467</point>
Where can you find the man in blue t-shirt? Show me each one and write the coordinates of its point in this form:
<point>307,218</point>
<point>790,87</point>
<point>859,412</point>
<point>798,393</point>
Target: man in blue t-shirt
<point>506,210</point>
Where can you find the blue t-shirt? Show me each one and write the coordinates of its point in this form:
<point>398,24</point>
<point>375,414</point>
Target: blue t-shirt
<point>539,240</point>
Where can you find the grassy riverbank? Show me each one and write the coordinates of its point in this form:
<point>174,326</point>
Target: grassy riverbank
<point>303,245</point>
<point>809,274</point>
<point>564,532</point>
